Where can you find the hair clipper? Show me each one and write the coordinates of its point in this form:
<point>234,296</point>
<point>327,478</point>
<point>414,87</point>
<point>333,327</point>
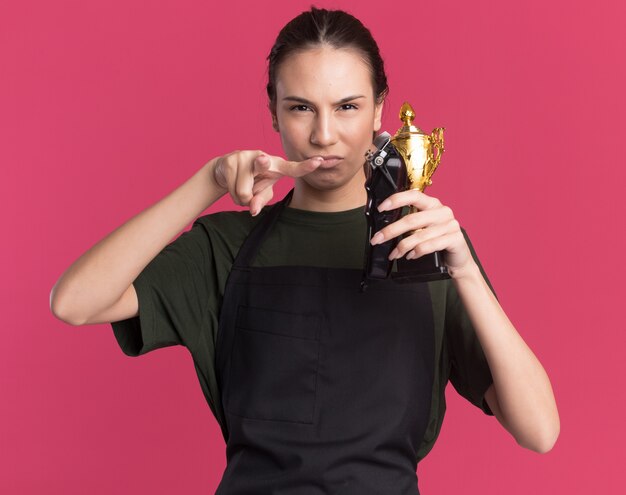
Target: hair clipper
<point>386,175</point>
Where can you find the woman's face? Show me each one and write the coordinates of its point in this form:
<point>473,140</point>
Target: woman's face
<point>325,106</point>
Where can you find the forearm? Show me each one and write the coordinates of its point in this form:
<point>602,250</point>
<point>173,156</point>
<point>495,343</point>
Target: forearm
<point>524,395</point>
<point>99,277</point>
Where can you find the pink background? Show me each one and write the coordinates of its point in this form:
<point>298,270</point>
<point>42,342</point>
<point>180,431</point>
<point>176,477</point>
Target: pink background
<point>105,107</point>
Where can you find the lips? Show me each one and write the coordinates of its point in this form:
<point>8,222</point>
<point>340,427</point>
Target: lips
<point>329,160</point>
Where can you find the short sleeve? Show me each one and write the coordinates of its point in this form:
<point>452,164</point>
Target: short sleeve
<point>469,373</point>
<point>173,294</point>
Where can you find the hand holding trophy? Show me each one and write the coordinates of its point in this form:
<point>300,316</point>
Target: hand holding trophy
<point>402,162</point>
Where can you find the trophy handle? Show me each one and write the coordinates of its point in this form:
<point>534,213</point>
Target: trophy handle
<point>434,152</point>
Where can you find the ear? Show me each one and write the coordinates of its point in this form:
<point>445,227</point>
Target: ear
<point>378,112</point>
<point>275,122</point>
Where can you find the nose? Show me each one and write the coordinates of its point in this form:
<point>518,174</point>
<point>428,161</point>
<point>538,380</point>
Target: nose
<point>324,132</point>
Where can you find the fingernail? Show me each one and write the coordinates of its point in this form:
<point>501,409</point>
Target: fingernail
<point>254,212</point>
<point>411,255</point>
<point>377,239</point>
<point>393,254</point>
<point>384,205</point>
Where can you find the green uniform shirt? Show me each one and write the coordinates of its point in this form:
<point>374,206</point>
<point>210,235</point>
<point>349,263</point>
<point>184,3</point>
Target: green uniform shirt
<point>180,294</point>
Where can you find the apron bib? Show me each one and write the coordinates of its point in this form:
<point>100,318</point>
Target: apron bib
<point>325,389</point>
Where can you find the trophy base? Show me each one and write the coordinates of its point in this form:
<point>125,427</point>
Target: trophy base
<point>426,268</point>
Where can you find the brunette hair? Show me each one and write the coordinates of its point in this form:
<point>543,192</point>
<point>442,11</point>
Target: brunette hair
<point>335,28</point>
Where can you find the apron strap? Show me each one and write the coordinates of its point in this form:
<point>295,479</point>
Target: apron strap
<point>257,235</point>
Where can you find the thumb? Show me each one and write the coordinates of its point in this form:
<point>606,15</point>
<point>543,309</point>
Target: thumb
<point>260,200</point>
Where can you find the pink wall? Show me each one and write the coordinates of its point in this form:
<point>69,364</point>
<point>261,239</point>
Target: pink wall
<point>105,107</point>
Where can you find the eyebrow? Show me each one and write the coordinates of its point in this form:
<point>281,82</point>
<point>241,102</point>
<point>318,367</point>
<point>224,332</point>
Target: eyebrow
<point>307,102</point>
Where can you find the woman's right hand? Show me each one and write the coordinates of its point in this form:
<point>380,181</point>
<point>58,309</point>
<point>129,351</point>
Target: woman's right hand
<point>249,176</point>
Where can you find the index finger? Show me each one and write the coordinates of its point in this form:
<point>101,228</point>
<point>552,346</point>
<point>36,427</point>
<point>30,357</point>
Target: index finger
<point>295,169</point>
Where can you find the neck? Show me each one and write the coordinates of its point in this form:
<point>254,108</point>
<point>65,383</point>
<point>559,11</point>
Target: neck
<point>346,197</point>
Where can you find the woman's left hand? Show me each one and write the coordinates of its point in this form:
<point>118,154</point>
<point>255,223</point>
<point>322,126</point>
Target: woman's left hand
<point>439,231</point>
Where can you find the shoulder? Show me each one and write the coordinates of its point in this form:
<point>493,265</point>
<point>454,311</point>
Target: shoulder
<point>231,219</point>
<point>226,221</point>
<point>229,227</point>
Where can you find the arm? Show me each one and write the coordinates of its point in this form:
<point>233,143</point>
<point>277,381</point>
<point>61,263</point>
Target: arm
<point>97,287</point>
<point>103,275</point>
<point>521,396</point>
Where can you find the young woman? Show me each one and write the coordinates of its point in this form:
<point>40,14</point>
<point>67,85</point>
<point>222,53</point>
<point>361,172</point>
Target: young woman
<point>317,386</point>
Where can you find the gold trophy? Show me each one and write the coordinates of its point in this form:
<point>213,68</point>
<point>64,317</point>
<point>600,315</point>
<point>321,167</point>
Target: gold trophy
<point>405,161</point>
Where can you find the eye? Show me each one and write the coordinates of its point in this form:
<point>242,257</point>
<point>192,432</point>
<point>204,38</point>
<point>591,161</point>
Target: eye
<point>299,108</point>
<point>349,106</point>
